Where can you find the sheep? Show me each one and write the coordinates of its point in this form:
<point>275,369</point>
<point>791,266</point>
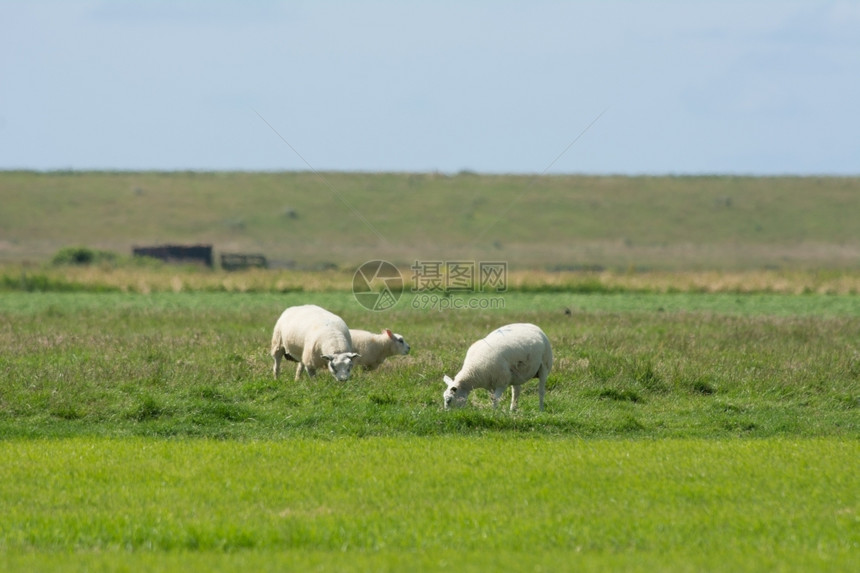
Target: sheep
<point>508,356</point>
<point>375,348</point>
<point>313,337</point>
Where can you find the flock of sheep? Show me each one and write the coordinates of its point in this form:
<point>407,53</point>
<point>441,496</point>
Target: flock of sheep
<point>508,356</point>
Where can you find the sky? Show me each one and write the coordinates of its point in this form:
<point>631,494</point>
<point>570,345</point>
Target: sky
<point>758,87</point>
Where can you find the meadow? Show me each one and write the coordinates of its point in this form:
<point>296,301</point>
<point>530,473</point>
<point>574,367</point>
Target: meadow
<point>565,222</point>
<point>703,412</point>
<point>662,365</point>
<point>682,432</point>
<point>464,502</point>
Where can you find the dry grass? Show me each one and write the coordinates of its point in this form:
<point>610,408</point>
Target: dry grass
<point>754,281</point>
<point>167,278</point>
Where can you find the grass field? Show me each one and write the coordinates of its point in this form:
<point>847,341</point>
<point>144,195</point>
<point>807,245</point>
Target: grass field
<point>682,432</point>
<point>703,412</point>
<point>196,364</point>
<point>558,222</point>
<point>470,503</point>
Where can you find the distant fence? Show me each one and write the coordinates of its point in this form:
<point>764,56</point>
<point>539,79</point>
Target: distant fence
<point>236,261</point>
<point>177,253</point>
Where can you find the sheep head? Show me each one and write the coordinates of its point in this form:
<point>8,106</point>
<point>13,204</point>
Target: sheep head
<point>340,365</point>
<point>399,341</point>
<point>454,395</point>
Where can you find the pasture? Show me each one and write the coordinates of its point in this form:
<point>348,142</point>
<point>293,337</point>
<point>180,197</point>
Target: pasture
<point>682,432</point>
<point>554,222</point>
<point>703,412</point>
<point>661,365</point>
<point>467,502</point>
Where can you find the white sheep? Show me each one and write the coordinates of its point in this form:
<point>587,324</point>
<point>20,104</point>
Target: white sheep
<point>375,348</point>
<point>313,337</point>
<point>508,356</point>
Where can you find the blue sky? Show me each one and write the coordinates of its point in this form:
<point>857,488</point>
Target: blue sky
<point>759,87</point>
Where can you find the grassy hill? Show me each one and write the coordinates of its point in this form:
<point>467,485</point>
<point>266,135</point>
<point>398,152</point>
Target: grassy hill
<point>699,416</point>
<point>548,222</point>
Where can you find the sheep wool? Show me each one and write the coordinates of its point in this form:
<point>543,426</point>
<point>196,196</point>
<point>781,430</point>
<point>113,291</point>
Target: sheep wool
<point>313,337</point>
<point>508,356</point>
<point>375,348</point>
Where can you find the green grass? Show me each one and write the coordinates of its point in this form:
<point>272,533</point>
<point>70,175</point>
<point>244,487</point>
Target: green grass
<point>704,415</point>
<point>348,218</point>
<point>468,502</point>
<point>625,366</point>
<point>683,432</point>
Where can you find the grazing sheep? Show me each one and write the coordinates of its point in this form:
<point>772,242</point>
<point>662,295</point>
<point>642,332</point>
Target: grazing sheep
<point>508,356</point>
<point>313,337</point>
<point>375,348</point>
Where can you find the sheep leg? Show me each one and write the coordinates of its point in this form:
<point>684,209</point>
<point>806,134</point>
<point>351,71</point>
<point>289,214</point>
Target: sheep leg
<point>515,396</point>
<point>542,375</point>
<point>306,363</point>
<point>278,355</point>
<point>497,393</point>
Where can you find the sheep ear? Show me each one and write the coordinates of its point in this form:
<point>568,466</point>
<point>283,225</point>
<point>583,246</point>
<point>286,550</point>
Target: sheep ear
<point>448,380</point>
<point>353,355</point>
<point>388,332</point>
<point>328,357</point>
